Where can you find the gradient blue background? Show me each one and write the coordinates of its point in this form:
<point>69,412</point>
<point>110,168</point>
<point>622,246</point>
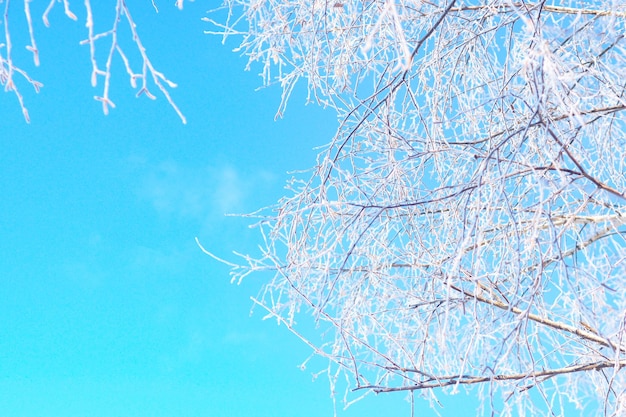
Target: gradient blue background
<point>107,305</point>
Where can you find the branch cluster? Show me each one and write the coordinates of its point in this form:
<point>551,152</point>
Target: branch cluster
<point>9,70</point>
<point>466,224</point>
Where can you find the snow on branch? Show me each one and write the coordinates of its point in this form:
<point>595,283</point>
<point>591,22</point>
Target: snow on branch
<point>466,225</point>
<point>148,73</point>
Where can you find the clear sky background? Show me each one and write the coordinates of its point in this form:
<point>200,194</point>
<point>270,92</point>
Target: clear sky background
<point>108,307</point>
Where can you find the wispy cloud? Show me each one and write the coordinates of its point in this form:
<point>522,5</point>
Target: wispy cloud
<point>230,190</point>
<point>195,193</point>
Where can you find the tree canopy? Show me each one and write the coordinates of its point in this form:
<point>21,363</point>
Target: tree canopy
<point>465,226</point>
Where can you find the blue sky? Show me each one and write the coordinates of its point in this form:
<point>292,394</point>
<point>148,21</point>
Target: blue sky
<point>108,307</point>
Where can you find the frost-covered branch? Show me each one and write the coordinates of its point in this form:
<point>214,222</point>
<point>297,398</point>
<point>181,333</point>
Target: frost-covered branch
<point>8,69</point>
<point>466,223</point>
<point>444,381</point>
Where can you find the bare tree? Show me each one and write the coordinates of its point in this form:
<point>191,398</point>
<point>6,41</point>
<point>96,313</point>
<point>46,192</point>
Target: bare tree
<point>12,73</point>
<point>465,226</point>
